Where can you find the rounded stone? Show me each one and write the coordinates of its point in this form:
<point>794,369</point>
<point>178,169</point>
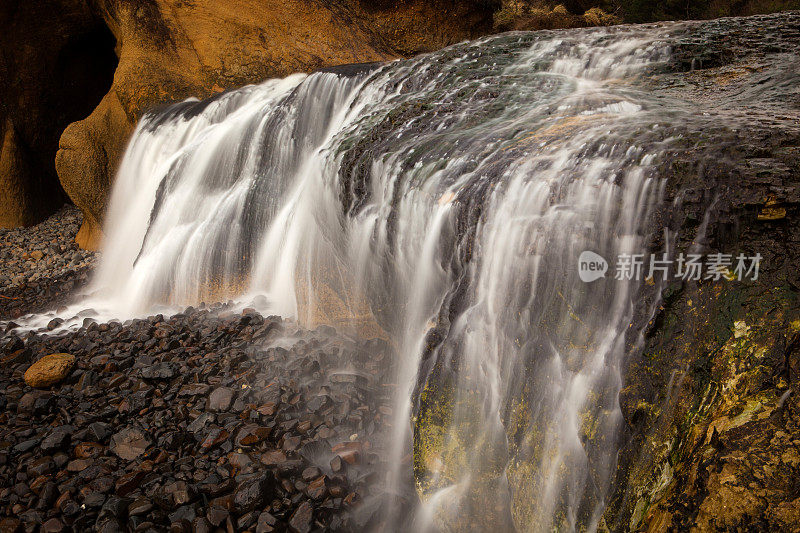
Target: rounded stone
<point>49,370</point>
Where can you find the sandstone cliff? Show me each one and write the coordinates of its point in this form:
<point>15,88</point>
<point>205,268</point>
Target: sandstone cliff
<point>169,50</point>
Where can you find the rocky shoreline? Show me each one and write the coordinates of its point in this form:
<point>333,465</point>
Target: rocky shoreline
<point>204,421</point>
<point>210,420</point>
<point>42,264</point>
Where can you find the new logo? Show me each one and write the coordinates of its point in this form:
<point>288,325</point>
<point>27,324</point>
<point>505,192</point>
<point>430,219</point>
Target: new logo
<point>591,266</point>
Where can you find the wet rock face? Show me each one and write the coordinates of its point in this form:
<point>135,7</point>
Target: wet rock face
<point>201,421</point>
<point>711,403</point>
<point>716,439</point>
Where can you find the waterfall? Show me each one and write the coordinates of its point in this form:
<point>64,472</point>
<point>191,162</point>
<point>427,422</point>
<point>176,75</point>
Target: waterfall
<point>441,202</point>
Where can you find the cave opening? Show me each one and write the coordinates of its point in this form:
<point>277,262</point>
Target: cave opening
<point>81,76</point>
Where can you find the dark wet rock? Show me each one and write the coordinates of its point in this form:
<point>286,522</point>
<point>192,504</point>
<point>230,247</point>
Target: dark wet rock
<point>35,402</point>
<point>54,525</point>
<point>57,439</point>
<point>60,459</point>
<point>115,507</point>
<point>147,451</point>
<point>290,467</point>
<point>310,473</point>
<point>273,458</point>
<point>26,445</point>
<point>265,523</point>
<point>110,525</point>
<point>197,425</point>
<point>216,516</point>
<point>301,519</point>
<point>220,399</point>
<point>140,506</point>
<point>337,464</point>
<point>10,525</point>
<point>317,489</point>
<point>246,521</point>
<point>19,356</point>
<point>159,371</point>
<point>11,344</point>
<point>252,434</point>
<point>86,450</point>
<point>185,513</point>
<point>253,492</point>
<point>94,500</point>
<point>214,486</point>
<point>70,508</point>
<point>171,440</point>
<point>78,465</point>
<point>179,493</point>
<point>129,482</point>
<point>239,461</point>
<point>201,525</point>
<point>214,437</point>
<point>291,443</point>
<point>194,389</point>
<point>129,443</point>
<point>98,432</point>
<point>31,518</point>
<point>47,496</point>
<point>349,452</point>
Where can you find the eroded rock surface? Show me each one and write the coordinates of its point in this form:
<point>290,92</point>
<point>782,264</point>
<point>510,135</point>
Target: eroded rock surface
<point>711,404</point>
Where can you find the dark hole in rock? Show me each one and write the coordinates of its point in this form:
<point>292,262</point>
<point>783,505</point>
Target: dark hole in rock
<point>81,76</point>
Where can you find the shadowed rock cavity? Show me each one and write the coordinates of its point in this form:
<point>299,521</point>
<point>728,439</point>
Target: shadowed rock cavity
<point>58,61</point>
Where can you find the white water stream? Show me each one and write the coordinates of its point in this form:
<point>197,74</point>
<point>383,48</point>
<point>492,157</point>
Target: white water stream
<point>447,199</point>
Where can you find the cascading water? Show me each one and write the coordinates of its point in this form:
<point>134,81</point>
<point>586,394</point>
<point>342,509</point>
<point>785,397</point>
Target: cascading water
<point>441,202</point>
